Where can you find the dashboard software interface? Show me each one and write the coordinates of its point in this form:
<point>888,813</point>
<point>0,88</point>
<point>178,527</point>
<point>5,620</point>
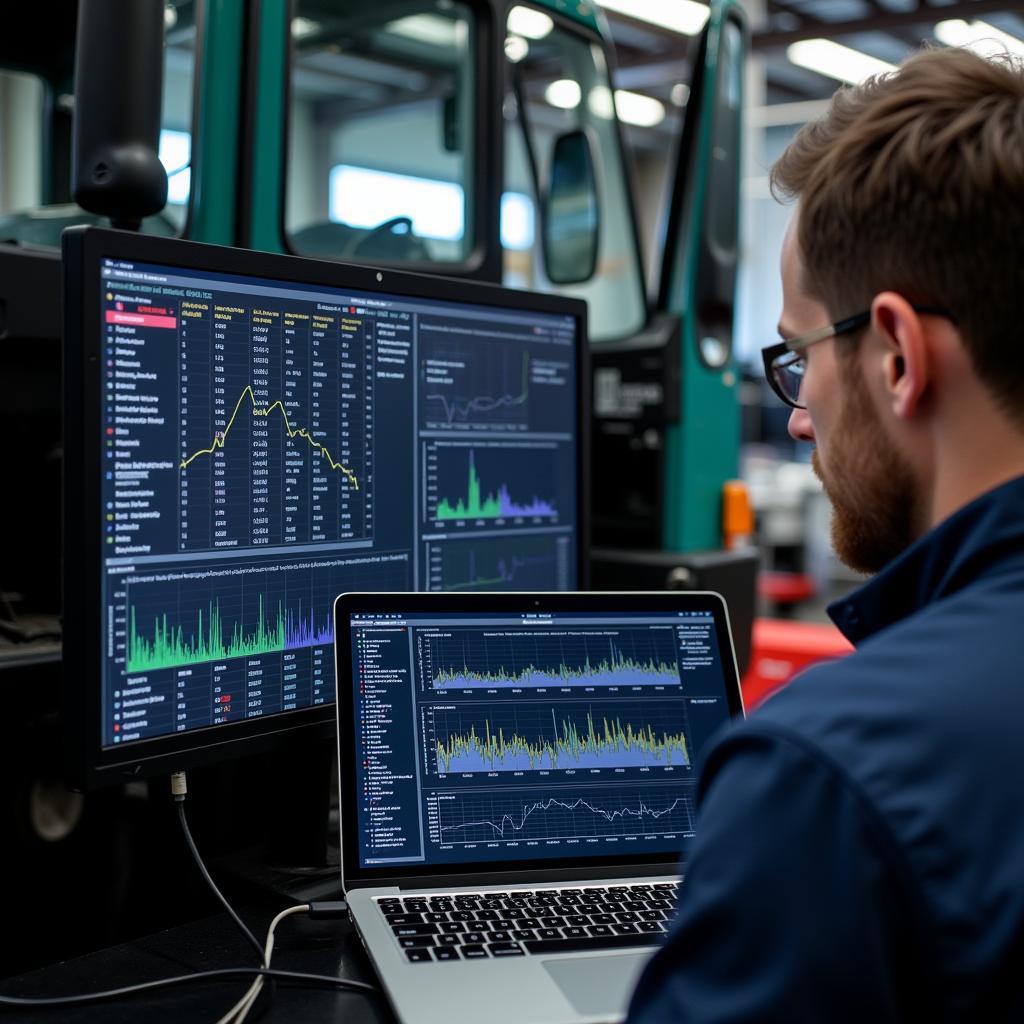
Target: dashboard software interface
<point>269,445</point>
<point>515,737</point>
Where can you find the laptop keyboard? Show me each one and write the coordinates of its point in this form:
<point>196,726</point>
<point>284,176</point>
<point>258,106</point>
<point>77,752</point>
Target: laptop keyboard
<point>477,926</point>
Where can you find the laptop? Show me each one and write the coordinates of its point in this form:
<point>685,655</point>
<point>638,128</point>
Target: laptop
<point>517,776</point>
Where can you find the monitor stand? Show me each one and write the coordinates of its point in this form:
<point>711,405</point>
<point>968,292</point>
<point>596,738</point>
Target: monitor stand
<point>293,850</point>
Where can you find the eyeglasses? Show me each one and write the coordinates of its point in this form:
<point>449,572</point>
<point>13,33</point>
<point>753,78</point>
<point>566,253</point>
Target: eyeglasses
<point>785,362</point>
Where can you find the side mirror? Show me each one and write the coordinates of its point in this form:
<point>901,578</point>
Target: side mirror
<point>450,134</point>
<point>570,222</point>
<point>119,59</point>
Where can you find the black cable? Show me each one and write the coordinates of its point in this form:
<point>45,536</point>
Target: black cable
<point>8,607</point>
<point>22,635</point>
<point>213,885</point>
<point>297,977</point>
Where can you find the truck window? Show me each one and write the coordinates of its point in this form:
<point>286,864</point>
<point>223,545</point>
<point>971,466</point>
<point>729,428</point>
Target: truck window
<point>176,117</point>
<point>380,151</point>
<point>558,82</point>
<point>21,140</point>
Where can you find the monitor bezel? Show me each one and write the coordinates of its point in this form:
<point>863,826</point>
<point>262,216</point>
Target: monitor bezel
<point>88,764</point>
<point>354,875</point>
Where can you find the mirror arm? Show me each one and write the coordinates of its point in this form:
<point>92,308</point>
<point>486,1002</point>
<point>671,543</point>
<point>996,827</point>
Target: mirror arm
<point>531,153</point>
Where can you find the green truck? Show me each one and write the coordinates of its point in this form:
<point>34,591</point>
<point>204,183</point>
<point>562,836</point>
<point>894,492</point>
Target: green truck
<point>476,139</point>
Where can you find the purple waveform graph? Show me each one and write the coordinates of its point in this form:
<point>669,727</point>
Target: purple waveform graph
<point>303,631</point>
<point>537,507</point>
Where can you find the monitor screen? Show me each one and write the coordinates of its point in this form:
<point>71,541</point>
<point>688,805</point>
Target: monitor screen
<point>489,736</point>
<point>270,438</point>
<point>504,733</point>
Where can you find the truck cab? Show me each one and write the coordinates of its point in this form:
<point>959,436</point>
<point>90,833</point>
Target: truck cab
<point>470,139</point>
<point>475,139</point>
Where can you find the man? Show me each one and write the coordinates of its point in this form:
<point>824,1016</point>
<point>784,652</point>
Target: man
<point>860,840</point>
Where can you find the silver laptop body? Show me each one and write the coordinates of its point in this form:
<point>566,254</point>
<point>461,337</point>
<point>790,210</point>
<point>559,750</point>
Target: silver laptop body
<point>517,776</point>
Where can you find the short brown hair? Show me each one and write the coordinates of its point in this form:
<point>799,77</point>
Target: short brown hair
<point>914,181</point>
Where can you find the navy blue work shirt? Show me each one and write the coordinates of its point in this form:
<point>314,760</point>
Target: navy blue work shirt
<point>859,850</point>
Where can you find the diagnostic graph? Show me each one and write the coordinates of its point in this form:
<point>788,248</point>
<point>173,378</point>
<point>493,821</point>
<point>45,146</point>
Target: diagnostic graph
<point>492,385</point>
<point>207,640</point>
<point>534,736</point>
<point>521,562</point>
<point>292,432</point>
<point>276,411</point>
<point>479,660</point>
<point>498,504</point>
<point>446,407</point>
<point>208,614</point>
<point>544,815</point>
<point>492,483</point>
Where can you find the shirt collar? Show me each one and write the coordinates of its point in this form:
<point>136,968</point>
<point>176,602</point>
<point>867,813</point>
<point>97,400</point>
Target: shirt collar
<point>948,557</point>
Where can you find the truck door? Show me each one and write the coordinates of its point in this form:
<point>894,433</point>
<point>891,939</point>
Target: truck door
<point>558,99</point>
<point>665,412</point>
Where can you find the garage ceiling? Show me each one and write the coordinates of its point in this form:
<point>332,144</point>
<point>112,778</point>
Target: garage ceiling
<point>651,59</point>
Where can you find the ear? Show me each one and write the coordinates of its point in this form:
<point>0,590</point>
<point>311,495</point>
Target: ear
<point>906,358</point>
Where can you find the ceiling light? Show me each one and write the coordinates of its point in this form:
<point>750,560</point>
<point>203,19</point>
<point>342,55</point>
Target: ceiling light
<point>516,48</point>
<point>600,101</point>
<point>835,61</point>
<point>565,93</point>
<point>979,36</point>
<point>426,28</point>
<point>525,21</point>
<point>680,94</point>
<point>302,27</point>
<point>683,16</point>
<point>635,108</point>
<point>170,17</point>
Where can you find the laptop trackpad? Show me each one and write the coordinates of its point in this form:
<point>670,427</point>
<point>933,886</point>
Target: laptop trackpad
<point>598,984</point>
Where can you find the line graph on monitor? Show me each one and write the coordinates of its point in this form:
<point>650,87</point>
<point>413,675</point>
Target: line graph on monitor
<point>511,386</point>
<point>545,815</point>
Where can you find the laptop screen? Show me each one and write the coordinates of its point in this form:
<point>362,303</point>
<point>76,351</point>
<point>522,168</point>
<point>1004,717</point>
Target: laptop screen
<point>497,736</point>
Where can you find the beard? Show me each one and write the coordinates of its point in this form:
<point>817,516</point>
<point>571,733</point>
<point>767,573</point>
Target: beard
<point>876,502</point>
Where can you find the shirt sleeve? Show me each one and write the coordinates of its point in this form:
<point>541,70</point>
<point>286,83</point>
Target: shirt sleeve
<point>791,910</point>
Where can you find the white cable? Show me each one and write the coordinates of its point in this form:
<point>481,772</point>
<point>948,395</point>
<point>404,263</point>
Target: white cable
<point>241,1009</point>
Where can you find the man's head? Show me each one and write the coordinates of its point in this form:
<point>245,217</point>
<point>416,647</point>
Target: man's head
<point>911,195</point>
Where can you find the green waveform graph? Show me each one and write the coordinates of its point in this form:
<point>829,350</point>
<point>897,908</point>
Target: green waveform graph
<point>172,646</point>
<point>498,505</point>
<point>611,744</point>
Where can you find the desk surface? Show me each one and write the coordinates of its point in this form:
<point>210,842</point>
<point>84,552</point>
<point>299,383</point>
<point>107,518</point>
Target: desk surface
<point>320,947</point>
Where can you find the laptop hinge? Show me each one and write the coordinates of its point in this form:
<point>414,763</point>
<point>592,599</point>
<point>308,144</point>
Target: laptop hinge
<point>500,878</point>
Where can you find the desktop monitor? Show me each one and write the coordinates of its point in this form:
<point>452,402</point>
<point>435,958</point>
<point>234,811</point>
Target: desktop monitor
<point>247,436</point>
